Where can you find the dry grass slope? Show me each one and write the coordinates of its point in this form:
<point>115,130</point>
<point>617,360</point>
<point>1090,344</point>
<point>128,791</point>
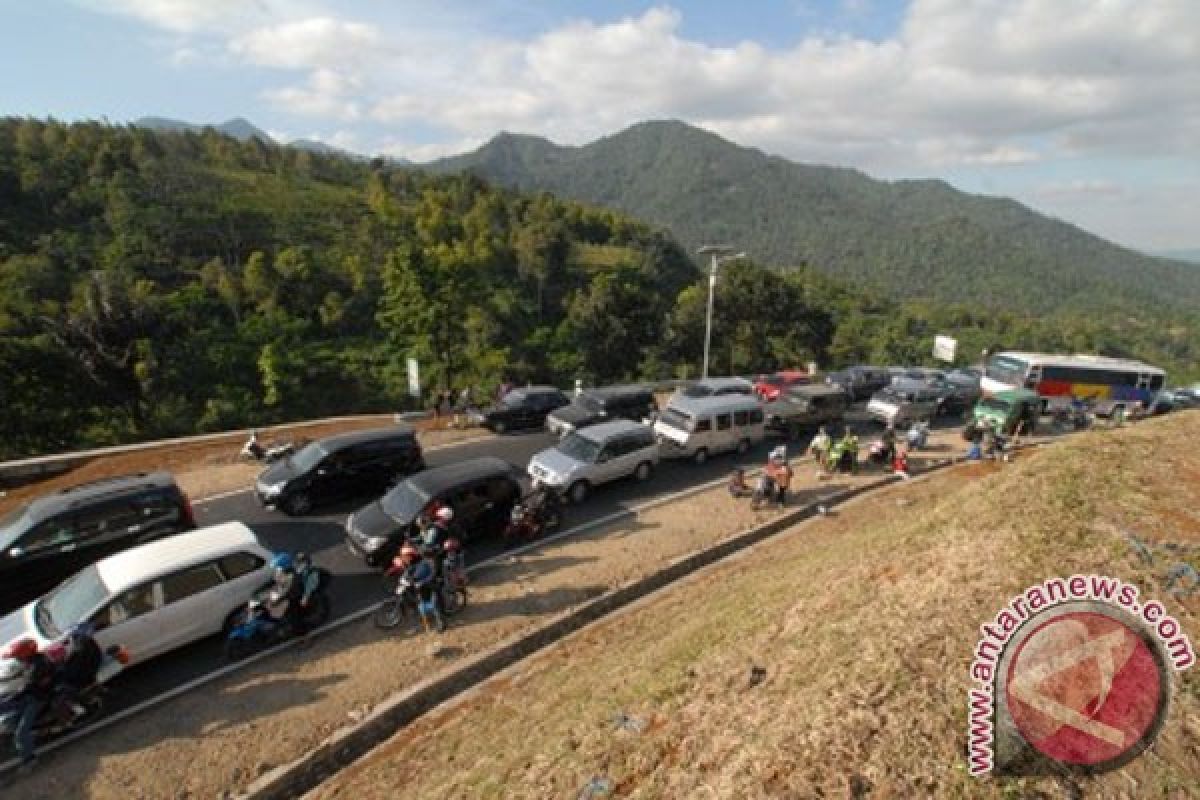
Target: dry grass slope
<point>864,624</point>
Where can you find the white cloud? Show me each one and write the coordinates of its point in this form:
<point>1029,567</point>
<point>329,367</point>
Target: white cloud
<point>321,42</point>
<point>327,93</point>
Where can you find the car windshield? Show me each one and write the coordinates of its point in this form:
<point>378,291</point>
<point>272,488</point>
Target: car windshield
<point>13,525</point>
<point>1007,370</point>
<point>697,391</point>
<point>677,419</point>
<point>70,603</point>
<point>995,405</point>
<point>309,456</point>
<point>579,448</point>
<point>514,399</point>
<point>891,396</point>
<point>404,503</point>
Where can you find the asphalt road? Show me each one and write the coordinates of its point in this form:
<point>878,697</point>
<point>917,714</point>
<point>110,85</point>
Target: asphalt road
<point>355,586</point>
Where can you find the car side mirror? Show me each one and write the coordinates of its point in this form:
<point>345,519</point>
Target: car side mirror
<point>600,459</point>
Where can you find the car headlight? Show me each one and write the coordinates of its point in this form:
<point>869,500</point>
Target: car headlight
<point>374,542</point>
<point>271,489</point>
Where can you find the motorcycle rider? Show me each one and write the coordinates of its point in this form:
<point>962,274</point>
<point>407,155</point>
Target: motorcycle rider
<point>889,443</point>
<point>421,572</point>
<point>287,586</point>
<point>28,703</point>
<point>79,667</point>
<point>540,502</point>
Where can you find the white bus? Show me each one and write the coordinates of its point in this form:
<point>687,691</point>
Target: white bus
<point>1112,381</point>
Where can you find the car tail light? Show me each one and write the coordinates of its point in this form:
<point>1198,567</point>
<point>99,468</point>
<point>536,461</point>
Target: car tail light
<point>122,656</point>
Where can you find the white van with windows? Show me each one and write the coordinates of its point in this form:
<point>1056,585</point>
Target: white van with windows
<point>698,427</point>
<point>156,597</point>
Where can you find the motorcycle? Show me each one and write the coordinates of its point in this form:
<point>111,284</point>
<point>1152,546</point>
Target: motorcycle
<point>253,450</point>
<point>529,520</point>
<point>67,710</point>
<point>407,599</point>
<point>259,628</point>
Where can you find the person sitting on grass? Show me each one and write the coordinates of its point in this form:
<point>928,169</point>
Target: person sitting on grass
<point>737,484</point>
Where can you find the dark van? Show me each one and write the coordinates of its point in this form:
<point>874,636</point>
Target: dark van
<point>337,467</point>
<point>51,538</point>
<point>635,403</point>
<point>481,491</point>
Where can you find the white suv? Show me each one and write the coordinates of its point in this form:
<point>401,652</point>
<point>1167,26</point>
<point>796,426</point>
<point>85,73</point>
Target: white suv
<point>156,597</point>
<point>597,454</point>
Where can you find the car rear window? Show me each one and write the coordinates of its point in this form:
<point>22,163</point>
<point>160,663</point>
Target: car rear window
<point>190,581</point>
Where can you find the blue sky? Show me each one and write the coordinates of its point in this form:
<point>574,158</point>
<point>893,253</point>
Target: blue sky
<point>1086,111</point>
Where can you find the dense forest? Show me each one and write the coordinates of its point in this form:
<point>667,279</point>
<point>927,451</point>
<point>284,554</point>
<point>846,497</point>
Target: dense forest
<point>907,239</point>
<point>155,284</point>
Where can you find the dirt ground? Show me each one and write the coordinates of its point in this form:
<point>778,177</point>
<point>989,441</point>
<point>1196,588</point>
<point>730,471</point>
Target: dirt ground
<point>831,661</point>
<point>221,737</point>
<point>209,468</point>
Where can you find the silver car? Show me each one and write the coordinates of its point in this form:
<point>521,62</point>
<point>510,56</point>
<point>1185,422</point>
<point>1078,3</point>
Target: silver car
<point>597,454</point>
<point>904,404</point>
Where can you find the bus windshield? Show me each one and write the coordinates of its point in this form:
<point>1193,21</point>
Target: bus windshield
<point>1007,370</point>
<point>677,419</point>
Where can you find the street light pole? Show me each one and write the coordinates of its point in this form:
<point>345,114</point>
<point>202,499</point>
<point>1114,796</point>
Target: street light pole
<point>720,254</point>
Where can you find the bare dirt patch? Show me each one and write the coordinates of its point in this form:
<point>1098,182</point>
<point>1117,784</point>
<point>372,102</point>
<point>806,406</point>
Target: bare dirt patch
<point>831,662</point>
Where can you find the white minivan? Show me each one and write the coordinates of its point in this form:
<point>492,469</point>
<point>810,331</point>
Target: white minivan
<point>597,454</point>
<point>155,597</point>
<point>698,427</point>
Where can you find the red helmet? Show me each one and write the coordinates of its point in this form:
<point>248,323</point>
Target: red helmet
<point>452,545</point>
<point>22,649</point>
<point>408,554</point>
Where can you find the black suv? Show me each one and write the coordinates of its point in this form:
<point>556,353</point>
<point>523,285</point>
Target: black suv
<point>50,539</point>
<point>526,407</point>
<point>481,491</point>
<point>860,382</point>
<point>600,405</point>
<point>336,467</point>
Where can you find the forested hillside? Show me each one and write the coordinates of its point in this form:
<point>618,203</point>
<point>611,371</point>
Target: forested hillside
<point>909,239</point>
<point>157,284</point>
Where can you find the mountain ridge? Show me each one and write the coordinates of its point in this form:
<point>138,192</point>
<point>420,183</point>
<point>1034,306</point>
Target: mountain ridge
<point>913,238</point>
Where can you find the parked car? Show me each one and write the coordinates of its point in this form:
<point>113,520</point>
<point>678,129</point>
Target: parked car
<point>859,382</point>
<point>708,387</point>
<point>598,405</point>
<point>595,455</point>
<point>804,408</point>
<point>1008,410</point>
<point>526,407</point>
<point>47,540</point>
<point>153,598</point>
<point>901,404</point>
<point>480,491</point>
<point>768,387</point>
<point>697,427</point>
<point>338,467</point>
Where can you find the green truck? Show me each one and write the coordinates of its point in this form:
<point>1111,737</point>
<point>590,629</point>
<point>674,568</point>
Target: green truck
<point>1006,411</point>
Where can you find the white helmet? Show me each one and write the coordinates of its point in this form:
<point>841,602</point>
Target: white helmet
<point>445,514</point>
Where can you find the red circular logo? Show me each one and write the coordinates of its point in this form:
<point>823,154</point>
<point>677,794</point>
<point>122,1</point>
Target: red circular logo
<point>1084,688</point>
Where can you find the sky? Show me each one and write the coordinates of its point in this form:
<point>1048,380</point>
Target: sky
<point>1087,110</point>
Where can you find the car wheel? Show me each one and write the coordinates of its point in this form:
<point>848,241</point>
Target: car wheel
<point>500,426</point>
<point>701,455</point>
<point>644,471</point>
<point>298,504</point>
<point>578,491</point>
<point>237,649</point>
<point>743,446</point>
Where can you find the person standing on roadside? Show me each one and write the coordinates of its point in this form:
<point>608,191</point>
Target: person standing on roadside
<point>783,479</point>
<point>820,446</point>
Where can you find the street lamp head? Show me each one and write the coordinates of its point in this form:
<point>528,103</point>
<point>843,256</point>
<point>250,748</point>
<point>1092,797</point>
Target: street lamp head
<point>714,249</point>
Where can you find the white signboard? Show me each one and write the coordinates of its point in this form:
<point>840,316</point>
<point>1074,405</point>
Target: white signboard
<point>414,378</point>
<point>944,347</point>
